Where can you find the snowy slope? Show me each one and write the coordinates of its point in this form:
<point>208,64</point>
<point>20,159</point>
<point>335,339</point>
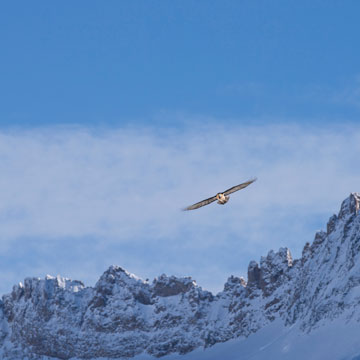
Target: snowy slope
<point>303,308</point>
<point>336,341</point>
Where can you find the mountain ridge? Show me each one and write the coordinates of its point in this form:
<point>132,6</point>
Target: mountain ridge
<point>123,316</point>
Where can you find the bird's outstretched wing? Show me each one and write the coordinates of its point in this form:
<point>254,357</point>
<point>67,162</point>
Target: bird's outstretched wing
<point>238,187</point>
<point>201,203</point>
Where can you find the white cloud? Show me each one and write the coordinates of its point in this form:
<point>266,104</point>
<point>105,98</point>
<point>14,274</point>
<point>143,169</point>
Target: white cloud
<point>123,189</point>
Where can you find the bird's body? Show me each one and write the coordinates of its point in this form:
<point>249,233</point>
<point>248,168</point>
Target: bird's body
<point>222,198</point>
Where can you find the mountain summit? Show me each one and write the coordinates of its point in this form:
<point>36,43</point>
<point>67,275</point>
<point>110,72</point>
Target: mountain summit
<point>123,316</point>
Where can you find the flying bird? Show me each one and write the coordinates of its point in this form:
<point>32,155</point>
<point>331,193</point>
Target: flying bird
<point>222,197</point>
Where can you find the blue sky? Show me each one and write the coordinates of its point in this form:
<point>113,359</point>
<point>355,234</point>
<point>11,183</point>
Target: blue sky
<point>91,62</point>
<point>114,115</point>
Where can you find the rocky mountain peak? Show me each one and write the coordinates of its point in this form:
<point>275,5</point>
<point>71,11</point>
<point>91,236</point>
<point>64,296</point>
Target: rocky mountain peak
<point>350,206</point>
<point>273,269</point>
<point>234,282</point>
<point>253,275</point>
<point>169,286</point>
<point>270,273</point>
<point>117,275</point>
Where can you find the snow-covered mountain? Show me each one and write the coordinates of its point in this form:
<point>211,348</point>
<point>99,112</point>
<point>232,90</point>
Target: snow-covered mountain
<point>124,316</point>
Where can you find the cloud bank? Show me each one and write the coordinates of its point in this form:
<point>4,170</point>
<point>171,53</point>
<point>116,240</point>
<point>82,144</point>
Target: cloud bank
<point>76,200</point>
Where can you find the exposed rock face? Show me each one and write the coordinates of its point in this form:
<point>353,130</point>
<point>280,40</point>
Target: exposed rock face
<point>123,315</point>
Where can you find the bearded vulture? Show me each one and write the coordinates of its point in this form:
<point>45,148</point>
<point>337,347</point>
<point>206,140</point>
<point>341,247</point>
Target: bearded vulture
<point>222,198</point>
